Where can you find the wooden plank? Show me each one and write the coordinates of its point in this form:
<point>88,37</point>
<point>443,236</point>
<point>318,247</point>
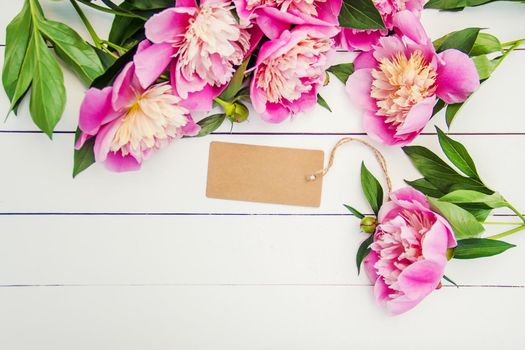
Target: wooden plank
<point>206,250</point>
<point>502,19</point>
<point>36,175</point>
<point>495,108</point>
<point>254,318</point>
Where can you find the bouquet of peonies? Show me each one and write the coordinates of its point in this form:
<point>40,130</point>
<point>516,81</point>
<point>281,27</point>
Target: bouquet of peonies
<point>165,61</point>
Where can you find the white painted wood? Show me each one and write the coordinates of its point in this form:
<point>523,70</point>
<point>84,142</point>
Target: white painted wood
<point>254,317</point>
<point>491,109</point>
<point>239,250</point>
<point>174,180</point>
<point>242,281</point>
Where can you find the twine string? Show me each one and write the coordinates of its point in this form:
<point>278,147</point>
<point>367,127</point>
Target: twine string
<point>377,154</point>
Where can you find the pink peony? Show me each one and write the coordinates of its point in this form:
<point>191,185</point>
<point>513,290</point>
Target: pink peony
<point>409,252</point>
<point>356,39</point>
<point>275,16</point>
<point>203,44</point>
<point>289,71</point>
<point>397,84</point>
<point>129,122</point>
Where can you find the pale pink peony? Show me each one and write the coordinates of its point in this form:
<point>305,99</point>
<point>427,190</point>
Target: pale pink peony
<point>203,44</point>
<point>289,71</point>
<point>129,122</point>
<point>409,253</point>
<point>397,84</point>
<point>356,39</point>
<point>276,16</point>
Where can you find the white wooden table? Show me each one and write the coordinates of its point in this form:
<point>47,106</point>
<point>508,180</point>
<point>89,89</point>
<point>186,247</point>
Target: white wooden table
<point>144,261</point>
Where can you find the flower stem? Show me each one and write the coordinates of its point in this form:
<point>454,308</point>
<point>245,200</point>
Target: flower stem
<point>512,43</point>
<point>96,39</point>
<point>507,233</point>
<point>501,223</point>
<point>121,12</point>
<point>516,211</point>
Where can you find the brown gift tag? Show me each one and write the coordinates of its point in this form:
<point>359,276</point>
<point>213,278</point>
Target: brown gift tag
<point>264,174</point>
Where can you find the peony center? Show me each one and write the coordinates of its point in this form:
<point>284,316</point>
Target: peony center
<point>293,73</point>
<point>399,83</point>
<point>151,121</point>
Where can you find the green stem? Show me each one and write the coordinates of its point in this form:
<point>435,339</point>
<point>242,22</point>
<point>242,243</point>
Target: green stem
<point>516,211</point>
<point>96,39</point>
<point>507,233</point>
<point>512,43</point>
<point>501,223</point>
<point>120,49</point>
<point>87,24</point>
<point>113,12</point>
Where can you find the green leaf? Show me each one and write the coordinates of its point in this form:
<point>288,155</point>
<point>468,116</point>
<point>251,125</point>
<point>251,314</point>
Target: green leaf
<point>354,211</point>
<point>48,94</point>
<point>342,71</point>
<point>457,154</point>
<point>363,251</point>
<point>111,72</point>
<point>16,78</point>
<point>236,82</point>
<point>321,101</point>
<point>372,189</point>
<point>494,200</point>
<point>479,248</point>
<point>440,104</point>
<point>71,48</point>
<point>360,14</point>
<point>449,280</point>
<point>480,211</point>
<point>485,66</point>
<point>84,157</point>
<point>463,223</point>
<point>485,44</point>
<point>425,187</point>
<point>451,112</point>
<point>145,5</point>
<point>210,124</point>
<point>462,40</point>
<point>439,173</point>
<point>455,5</point>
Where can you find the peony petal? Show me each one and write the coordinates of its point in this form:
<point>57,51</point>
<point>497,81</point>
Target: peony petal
<point>376,128</point>
<point>365,60</point>
<point>123,88</point>
<point>275,113</point>
<point>169,25</point>
<point>187,3</point>
<point>420,279</point>
<point>457,76</point>
<point>96,110</point>
<point>435,243</point>
<point>104,139</point>
<point>406,23</point>
<point>202,100</point>
<point>116,162</point>
<point>151,62</point>
<point>418,117</point>
<point>358,88</point>
<point>381,292</point>
<point>270,26</point>
<point>368,263</point>
<point>353,39</point>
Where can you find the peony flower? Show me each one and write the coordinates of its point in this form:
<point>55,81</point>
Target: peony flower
<point>129,122</point>
<point>397,84</point>
<point>409,253</point>
<point>203,44</point>
<point>275,16</point>
<point>289,71</point>
<point>357,39</point>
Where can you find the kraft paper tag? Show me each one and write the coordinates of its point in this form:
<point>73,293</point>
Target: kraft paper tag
<point>264,174</point>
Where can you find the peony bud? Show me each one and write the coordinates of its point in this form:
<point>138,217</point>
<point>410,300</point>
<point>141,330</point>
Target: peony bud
<point>368,224</point>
